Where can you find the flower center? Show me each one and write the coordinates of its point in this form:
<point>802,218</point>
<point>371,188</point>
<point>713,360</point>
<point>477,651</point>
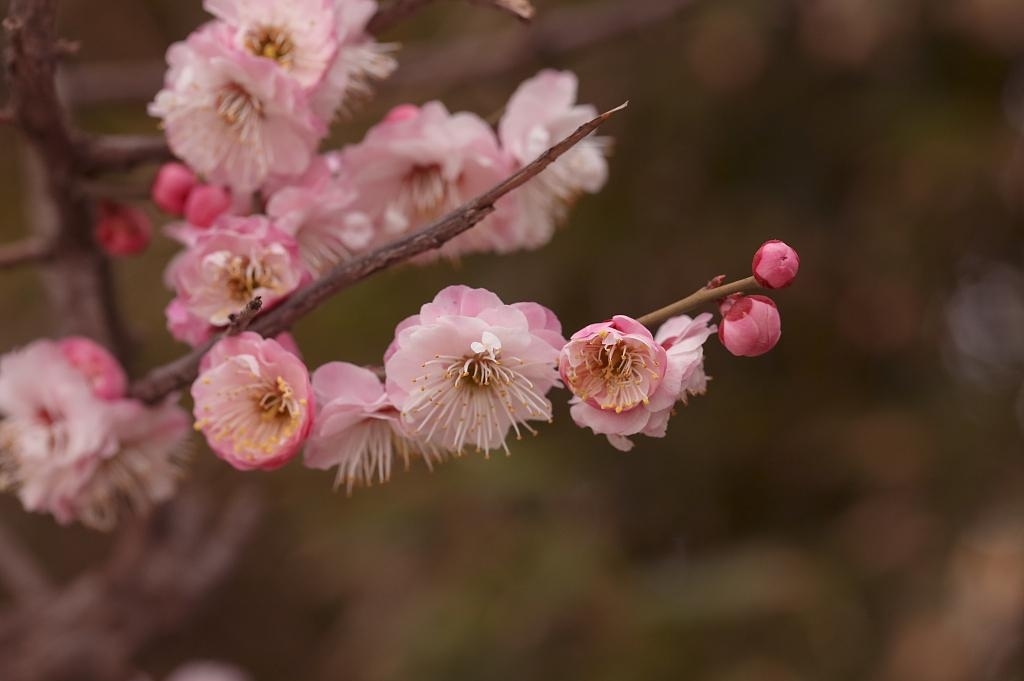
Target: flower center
<point>613,374</point>
<point>278,403</point>
<point>270,42</point>
<point>474,398</point>
<point>237,108</point>
<point>425,193</point>
<point>244,276</point>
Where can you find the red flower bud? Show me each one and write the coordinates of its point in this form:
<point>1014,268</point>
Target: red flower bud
<point>775,264</point>
<point>750,325</point>
<point>122,230</point>
<point>170,190</point>
<point>205,204</point>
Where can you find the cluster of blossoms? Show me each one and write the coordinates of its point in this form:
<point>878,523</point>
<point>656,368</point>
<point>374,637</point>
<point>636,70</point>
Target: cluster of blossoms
<point>247,100</point>
<point>73,445</point>
<point>463,375</point>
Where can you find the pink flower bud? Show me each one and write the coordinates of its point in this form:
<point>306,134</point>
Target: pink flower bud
<point>775,264</point>
<point>206,203</point>
<point>750,325</point>
<point>99,367</point>
<point>122,230</point>
<point>402,112</point>
<point>170,190</point>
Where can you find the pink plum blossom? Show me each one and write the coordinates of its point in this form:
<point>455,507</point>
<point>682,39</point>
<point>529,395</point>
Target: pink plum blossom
<point>411,169</point>
<point>357,428</point>
<point>626,381</point>
<point>469,368</point>
<point>233,117</point>
<point>206,203</point>
<point>227,267</point>
<point>540,113</point>
<point>208,671</point>
<point>122,229</point>
<point>70,453</point>
<point>92,360</point>
<point>253,402</point>
<point>318,212</point>
<point>775,264</point>
<point>750,326</point>
<point>171,187</point>
<point>297,35</point>
<point>359,62</point>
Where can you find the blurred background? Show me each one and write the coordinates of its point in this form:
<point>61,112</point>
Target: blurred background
<point>850,506</point>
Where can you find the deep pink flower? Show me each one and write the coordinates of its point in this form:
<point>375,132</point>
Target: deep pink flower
<point>253,402</point>
<point>228,266</point>
<point>99,367</point>
<point>77,456</point>
<point>410,170</point>
<point>540,113</point>
<point>626,381</point>
<point>775,264</point>
<point>357,428</point>
<point>171,187</point>
<point>750,325</point>
<point>468,368</point>
<point>122,230</point>
<point>206,203</point>
<point>233,117</point>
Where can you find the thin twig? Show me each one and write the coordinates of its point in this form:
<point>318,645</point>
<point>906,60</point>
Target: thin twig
<point>240,321</point>
<point>698,298</point>
<point>165,379</point>
<point>118,153</point>
<point>25,581</point>
<point>23,252</point>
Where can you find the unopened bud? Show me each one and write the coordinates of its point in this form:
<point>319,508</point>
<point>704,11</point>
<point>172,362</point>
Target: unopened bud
<point>775,264</point>
<point>171,187</point>
<point>122,230</point>
<point>750,325</point>
<point>205,204</point>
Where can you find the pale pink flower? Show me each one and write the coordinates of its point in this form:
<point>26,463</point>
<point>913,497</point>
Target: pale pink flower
<point>253,402</point>
<point>171,187</point>
<point>411,169</point>
<point>357,428</point>
<point>122,229</point>
<point>626,381</point>
<point>318,212</point>
<point>100,368</point>
<point>229,265</point>
<point>750,326</point>
<point>297,35</point>
<point>233,117</point>
<point>469,368</point>
<point>77,456</point>
<point>775,264</point>
<point>359,62</point>
<point>185,326</point>
<point>540,113</point>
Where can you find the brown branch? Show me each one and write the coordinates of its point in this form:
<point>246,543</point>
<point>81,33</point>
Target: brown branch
<point>179,373</point>
<point>118,153</point>
<point>161,572</point>
<point>77,275</point>
<point>23,252</point>
<point>26,582</point>
<point>698,298</point>
<point>240,321</point>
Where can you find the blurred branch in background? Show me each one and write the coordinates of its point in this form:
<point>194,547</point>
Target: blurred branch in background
<point>23,252</point>
<point>160,573</point>
<point>19,573</point>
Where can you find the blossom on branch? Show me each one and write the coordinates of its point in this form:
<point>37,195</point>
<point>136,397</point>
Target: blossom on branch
<point>233,117</point>
<point>253,402</point>
<point>225,268</point>
<point>469,368</point>
<point>357,428</point>
<point>69,451</point>
<point>626,381</point>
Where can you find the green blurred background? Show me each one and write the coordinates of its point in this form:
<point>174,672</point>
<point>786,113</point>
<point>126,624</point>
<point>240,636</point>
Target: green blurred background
<point>850,506</point>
